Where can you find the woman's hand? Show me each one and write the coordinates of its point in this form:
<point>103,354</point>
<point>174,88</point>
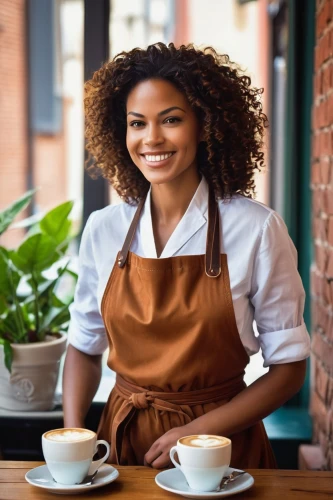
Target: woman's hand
<point>158,454</point>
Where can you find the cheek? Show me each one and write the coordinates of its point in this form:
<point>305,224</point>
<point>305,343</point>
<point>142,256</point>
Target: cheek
<point>130,143</point>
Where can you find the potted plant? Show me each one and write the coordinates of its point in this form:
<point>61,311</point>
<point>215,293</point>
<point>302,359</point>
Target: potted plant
<point>36,289</point>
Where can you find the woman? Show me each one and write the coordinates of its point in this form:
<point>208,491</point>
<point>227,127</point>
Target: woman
<point>172,278</point>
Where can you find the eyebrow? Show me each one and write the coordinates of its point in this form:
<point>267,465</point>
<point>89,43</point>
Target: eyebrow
<point>161,113</point>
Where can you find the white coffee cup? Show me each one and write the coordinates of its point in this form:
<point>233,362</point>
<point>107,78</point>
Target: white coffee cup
<point>69,453</point>
<point>204,459</point>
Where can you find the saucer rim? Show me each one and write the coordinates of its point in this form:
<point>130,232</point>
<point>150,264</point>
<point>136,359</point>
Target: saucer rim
<point>207,494</point>
<point>72,487</point>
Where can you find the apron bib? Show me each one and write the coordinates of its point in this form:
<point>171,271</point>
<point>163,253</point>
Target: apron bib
<point>175,347</point>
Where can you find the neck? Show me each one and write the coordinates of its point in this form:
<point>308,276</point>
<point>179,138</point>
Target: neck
<point>169,201</point>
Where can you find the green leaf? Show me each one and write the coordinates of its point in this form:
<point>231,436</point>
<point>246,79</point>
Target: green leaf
<point>56,302</point>
<point>8,352</point>
<point>56,223</point>
<point>8,214</point>
<point>55,320</point>
<point>5,269</point>
<point>9,327</point>
<point>37,252</point>
<point>3,305</point>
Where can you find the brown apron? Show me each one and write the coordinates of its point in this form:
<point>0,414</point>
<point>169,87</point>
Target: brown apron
<point>175,347</point>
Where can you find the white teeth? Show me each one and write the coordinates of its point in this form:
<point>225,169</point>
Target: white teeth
<point>158,157</point>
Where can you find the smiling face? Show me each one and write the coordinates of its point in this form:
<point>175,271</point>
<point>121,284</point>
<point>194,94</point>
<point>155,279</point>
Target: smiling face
<point>162,132</point>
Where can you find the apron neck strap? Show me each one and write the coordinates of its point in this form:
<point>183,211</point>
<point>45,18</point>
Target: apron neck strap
<point>213,254</point>
<point>122,255</point>
<point>212,260</point>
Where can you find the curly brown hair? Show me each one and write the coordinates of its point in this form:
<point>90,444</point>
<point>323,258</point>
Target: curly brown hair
<point>227,107</point>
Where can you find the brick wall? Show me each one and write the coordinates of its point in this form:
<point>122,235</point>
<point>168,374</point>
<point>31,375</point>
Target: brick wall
<point>13,103</point>
<point>322,270</point>
<point>49,170</point>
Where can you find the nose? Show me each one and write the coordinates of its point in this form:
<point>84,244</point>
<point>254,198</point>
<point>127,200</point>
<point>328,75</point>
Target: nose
<point>153,136</point>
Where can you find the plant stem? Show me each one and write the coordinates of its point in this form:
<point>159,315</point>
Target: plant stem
<point>18,317</point>
<point>34,285</point>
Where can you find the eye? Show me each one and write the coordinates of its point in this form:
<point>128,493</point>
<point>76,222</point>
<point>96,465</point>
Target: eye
<point>172,120</point>
<point>136,124</point>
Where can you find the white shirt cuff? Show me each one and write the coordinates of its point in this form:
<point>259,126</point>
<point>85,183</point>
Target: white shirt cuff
<point>89,342</point>
<point>285,346</point>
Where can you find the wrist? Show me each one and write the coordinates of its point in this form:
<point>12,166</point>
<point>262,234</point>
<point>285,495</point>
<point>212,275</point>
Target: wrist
<point>74,422</point>
<point>196,427</point>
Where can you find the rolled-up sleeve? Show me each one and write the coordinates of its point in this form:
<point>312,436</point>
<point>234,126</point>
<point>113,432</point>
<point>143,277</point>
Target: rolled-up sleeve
<point>278,296</point>
<point>86,329</point>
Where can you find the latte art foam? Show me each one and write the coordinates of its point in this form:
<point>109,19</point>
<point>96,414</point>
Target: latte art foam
<point>203,441</point>
<point>69,435</point>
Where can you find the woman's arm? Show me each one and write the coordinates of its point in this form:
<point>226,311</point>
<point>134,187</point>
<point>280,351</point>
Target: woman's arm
<point>255,402</point>
<point>82,375</point>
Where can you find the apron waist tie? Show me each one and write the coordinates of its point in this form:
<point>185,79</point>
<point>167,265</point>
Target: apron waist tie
<point>139,398</point>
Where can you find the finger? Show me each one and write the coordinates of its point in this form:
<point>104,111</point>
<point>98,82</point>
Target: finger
<point>151,455</point>
<point>161,462</point>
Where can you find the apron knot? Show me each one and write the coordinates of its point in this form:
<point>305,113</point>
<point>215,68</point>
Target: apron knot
<point>140,400</point>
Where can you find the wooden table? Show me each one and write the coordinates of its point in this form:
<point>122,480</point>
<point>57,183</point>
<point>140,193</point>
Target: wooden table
<point>137,483</point>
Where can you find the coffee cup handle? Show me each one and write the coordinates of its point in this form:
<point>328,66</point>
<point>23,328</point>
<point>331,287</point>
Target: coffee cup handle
<point>97,463</point>
<point>172,455</point>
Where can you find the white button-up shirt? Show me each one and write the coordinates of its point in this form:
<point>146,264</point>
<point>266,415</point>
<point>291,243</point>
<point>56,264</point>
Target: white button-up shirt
<point>265,285</point>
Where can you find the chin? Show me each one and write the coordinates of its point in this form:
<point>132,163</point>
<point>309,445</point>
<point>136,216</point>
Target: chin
<point>158,177</point>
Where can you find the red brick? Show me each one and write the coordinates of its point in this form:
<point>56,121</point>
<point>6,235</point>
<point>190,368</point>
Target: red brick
<point>315,282</point>
<point>329,268</point>
<point>13,116</point>
<point>321,381</point>
<point>329,458</point>
<point>327,39</point>
<point>326,73</point>
<point>329,7</point>
<point>315,170</point>
<point>325,171</point>
<point>329,395</point>
<point>321,322</point>
<point>321,258</point>
<point>320,285</point>
<point>319,27</point>
<point>329,115</point>
<point>330,231</point>
<point>315,432</point>
<point>319,412</point>
<point>327,296</point>
<point>323,441</point>
<point>323,351</point>
<point>322,225</point>
<point>328,202</point>
<point>325,146</point>
<point>315,203</point>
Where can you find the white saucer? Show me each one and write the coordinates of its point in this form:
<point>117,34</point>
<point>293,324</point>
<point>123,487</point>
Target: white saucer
<point>173,480</point>
<point>41,477</point>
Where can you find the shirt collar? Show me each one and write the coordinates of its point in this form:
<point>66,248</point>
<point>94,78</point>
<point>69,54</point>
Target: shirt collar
<point>193,219</point>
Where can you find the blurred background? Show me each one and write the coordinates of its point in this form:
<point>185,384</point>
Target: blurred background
<point>48,48</point>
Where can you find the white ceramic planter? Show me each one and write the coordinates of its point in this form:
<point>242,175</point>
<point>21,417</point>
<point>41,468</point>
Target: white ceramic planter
<point>35,369</point>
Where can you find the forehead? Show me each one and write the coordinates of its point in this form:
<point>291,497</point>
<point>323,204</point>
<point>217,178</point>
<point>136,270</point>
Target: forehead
<point>153,94</point>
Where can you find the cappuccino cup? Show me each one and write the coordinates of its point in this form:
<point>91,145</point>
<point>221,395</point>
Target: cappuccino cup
<point>69,454</point>
<point>204,459</point>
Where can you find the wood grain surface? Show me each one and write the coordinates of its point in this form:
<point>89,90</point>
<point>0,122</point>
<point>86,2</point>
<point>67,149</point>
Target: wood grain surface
<point>137,483</point>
